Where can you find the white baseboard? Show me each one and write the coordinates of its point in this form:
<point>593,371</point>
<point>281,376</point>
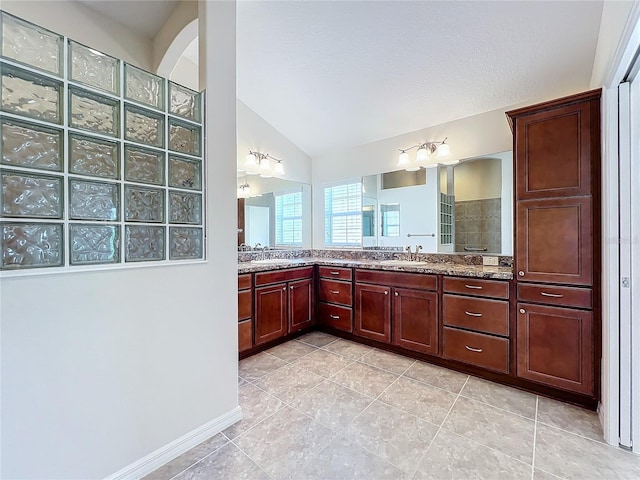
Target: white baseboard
<point>155,460</point>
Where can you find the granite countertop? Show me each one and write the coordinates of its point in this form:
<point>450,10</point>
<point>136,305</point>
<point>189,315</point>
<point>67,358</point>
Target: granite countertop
<point>477,271</point>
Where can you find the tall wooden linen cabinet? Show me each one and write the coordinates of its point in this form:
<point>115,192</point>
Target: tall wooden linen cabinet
<point>557,242</point>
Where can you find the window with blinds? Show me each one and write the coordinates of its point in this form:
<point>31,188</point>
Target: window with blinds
<point>390,220</point>
<point>289,219</point>
<point>343,215</point>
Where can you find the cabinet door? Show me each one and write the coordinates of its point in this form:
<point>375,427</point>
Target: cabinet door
<point>373,312</point>
<point>300,304</point>
<point>553,152</point>
<point>554,241</point>
<point>270,313</point>
<point>245,335</point>
<point>555,347</point>
<point>415,320</point>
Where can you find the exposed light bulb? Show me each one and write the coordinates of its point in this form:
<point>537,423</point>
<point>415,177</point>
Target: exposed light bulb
<point>278,169</point>
<point>403,159</point>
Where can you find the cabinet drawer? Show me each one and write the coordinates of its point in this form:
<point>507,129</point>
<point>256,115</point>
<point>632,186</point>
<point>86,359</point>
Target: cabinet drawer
<point>477,287</point>
<point>335,316</point>
<point>481,314</point>
<point>566,296</point>
<point>477,349</point>
<point>335,292</point>
<point>408,280</point>
<point>335,273</point>
<point>245,335</point>
<point>245,301</point>
<point>276,276</point>
<point>244,281</point>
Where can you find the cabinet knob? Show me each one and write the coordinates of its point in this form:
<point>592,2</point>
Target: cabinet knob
<point>290,287</point>
<point>386,292</point>
<point>521,273</point>
<point>522,310</point>
<point>396,294</point>
<point>284,289</point>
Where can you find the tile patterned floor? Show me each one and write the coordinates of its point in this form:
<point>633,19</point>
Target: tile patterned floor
<point>324,408</point>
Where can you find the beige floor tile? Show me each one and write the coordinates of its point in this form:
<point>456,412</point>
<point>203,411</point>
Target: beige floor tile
<point>452,457</point>
<point>542,475</point>
<point>332,405</point>
<point>189,458</point>
<point>571,418</point>
<point>288,382</point>
<point>241,382</point>
<point>342,459</point>
<point>425,401</point>
<point>503,431</point>
<point>284,442</point>
<point>507,398</point>
<point>364,379</point>
<point>256,405</point>
<point>387,361</point>
<point>572,457</point>
<point>323,363</point>
<point>396,436</point>
<point>437,376</point>
<point>317,339</point>
<point>228,462</point>
<point>291,351</point>
<point>348,349</point>
<point>257,366</point>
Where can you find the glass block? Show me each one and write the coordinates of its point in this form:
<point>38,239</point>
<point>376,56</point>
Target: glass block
<point>31,95</point>
<point>185,173</point>
<point>32,146</point>
<point>25,195</point>
<point>184,102</point>
<point>93,68</point>
<point>143,126</point>
<point>143,87</point>
<point>144,166</point>
<point>93,200</point>
<point>89,111</point>
<point>27,43</point>
<point>143,204</point>
<point>184,137</point>
<point>185,243</point>
<point>31,245</point>
<point>144,243</point>
<point>93,157</point>
<point>185,208</point>
<point>91,244</point>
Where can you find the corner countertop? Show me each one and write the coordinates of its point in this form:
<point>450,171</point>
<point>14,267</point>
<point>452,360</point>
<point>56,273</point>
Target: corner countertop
<point>451,269</point>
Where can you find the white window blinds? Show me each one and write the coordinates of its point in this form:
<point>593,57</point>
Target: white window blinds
<point>343,215</point>
<point>289,219</point>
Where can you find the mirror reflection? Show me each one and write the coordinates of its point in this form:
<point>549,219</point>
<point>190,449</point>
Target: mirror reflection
<point>462,208</point>
<point>273,213</point>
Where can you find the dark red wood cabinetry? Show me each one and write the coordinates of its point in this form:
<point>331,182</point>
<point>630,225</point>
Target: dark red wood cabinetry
<point>557,261</point>
<point>335,298</point>
<point>245,311</point>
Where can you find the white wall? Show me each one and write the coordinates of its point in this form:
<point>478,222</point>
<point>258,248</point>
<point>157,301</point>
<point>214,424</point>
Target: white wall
<point>478,179</point>
<point>186,73</point>
<point>482,134</point>
<point>99,369</point>
<point>85,26</point>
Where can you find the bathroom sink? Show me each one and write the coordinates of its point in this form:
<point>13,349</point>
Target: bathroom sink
<point>403,263</point>
<point>267,261</point>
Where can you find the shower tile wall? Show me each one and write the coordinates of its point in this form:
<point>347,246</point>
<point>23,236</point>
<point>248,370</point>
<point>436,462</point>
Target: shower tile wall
<point>478,225</point>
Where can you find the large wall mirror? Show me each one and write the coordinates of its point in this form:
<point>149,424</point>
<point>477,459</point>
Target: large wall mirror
<point>273,213</point>
<point>462,208</point>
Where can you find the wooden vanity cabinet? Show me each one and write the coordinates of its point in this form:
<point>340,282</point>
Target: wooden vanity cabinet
<point>335,298</point>
<point>245,313</point>
<point>557,260</point>
<point>397,308</point>
<point>283,303</point>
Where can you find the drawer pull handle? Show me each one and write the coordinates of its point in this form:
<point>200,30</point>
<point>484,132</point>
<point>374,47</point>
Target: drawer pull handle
<point>335,317</point>
<point>553,295</point>
<point>334,273</point>
<point>335,292</point>
<point>477,350</point>
<point>471,314</point>
<point>475,287</point>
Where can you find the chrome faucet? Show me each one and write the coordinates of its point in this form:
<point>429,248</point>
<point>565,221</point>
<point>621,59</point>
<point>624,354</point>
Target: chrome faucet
<point>418,248</point>
<point>264,250</point>
<point>257,245</point>
<point>408,250</point>
<point>413,256</point>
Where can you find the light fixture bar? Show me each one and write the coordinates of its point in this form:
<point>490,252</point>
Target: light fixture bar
<point>427,155</point>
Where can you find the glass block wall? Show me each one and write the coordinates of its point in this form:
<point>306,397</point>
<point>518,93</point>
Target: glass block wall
<point>102,162</point>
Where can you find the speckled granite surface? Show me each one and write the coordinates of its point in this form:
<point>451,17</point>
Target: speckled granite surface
<point>426,264</point>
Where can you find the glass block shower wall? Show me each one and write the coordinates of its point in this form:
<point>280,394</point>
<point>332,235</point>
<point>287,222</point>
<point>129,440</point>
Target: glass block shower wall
<point>101,162</point>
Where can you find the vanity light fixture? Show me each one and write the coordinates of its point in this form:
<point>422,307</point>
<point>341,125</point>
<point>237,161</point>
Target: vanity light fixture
<point>244,190</point>
<point>257,163</point>
<point>429,154</point>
